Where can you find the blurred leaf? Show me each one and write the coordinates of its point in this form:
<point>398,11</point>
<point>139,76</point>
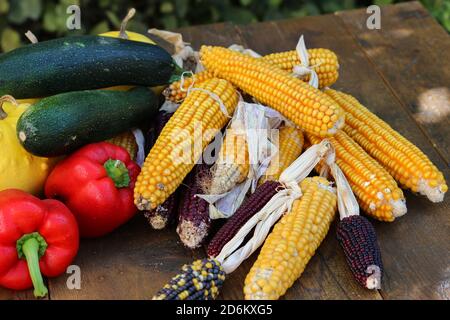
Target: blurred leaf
<point>275,3</point>
<point>239,15</point>
<point>332,6</point>
<point>311,9</point>
<point>382,2</point>
<point>10,39</point>
<point>114,19</point>
<point>49,20</point>
<point>21,10</point>
<point>104,4</point>
<point>137,26</point>
<point>101,27</point>
<point>67,3</point>
<point>169,21</point>
<point>4,6</point>
<point>166,7</point>
<point>215,14</point>
<point>181,7</point>
<point>245,2</point>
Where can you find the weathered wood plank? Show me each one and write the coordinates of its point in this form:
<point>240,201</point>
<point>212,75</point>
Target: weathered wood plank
<point>133,262</point>
<point>221,34</point>
<point>410,51</point>
<point>6,294</point>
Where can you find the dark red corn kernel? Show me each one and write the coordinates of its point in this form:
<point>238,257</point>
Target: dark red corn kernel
<point>194,222</point>
<point>357,237</point>
<point>165,214</point>
<point>253,204</point>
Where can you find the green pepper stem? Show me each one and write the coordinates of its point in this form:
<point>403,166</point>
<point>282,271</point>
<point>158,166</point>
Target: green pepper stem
<point>118,172</point>
<point>30,249</point>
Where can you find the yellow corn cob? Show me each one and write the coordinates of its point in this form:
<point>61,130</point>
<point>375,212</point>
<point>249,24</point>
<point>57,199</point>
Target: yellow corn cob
<point>377,192</point>
<point>323,61</point>
<point>402,159</point>
<point>307,107</point>
<point>127,141</point>
<point>182,141</point>
<point>174,93</point>
<point>232,164</point>
<point>293,242</point>
<point>290,144</point>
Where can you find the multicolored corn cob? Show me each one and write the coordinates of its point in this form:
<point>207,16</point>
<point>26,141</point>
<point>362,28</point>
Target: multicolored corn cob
<point>253,204</point>
<point>232,164</point>
<point>194,222</point>
<point>182,141</point>
<point>176,93</point>
<point>201,280</point>
<point>357,237</point>
<point>402,159</point>
<point>307,107</point>
<point>290,144</point>
<point>165,214</point>
<point>323,61</point>
<point>293,242</point>
<point>127,141</point>
<point>377,192</point>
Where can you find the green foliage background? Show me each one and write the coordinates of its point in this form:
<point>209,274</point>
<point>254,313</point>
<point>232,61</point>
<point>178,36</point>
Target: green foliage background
<point>47,19</point>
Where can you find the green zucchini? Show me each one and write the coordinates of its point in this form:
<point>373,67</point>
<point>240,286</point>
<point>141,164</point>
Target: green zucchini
<point>60,124</point>
<point>82,63</point>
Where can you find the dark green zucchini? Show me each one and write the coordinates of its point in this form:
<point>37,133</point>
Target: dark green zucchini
<point>82,63</point>
<point>60,124</point>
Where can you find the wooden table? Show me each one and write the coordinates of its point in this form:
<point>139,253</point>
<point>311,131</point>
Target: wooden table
<point>391,71</point>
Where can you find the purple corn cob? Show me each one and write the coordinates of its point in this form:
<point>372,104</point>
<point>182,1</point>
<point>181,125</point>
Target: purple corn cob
<point>253,204</point>
<point>357,237</point>
<point>152,134</point>
<point>194,222</point>
<point>165,214</point>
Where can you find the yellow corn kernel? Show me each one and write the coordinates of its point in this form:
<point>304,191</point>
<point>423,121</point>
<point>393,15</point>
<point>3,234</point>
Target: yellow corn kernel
<point>232,165</point>
<point>182,141</point>
<point>304,228</point>
<point>377,192</point>
<point>290,144</point>
<point>174,93</point>
<point>127,141</point>
<point>323,61</point>
<point>403,160</point>
<point>296,100</point>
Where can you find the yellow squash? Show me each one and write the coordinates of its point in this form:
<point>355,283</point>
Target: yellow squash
<point>18,168</point>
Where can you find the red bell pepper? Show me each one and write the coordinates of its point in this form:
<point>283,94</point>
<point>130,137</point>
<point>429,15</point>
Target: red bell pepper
<point>35,237</point>
<point>96,183</point>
